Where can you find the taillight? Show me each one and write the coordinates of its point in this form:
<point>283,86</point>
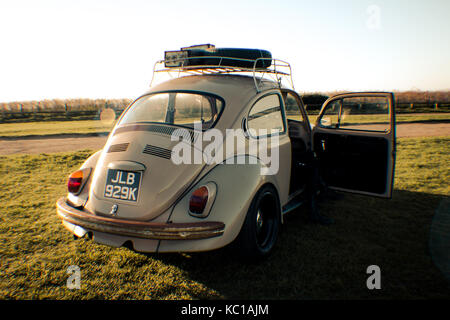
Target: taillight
<point>77,179</point>
<point>199,199</point>
<point>202,200</point>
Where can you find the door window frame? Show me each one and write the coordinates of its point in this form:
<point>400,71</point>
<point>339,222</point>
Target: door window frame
<point>301,106</point>
<point>283,117</point>
<point>340,97</point>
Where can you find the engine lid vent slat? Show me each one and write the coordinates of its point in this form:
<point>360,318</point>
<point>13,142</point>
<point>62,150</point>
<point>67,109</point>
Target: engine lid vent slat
<point>157,151</point>
<point>120,147</point>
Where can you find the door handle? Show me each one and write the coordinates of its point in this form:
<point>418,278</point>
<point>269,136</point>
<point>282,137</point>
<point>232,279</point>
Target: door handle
<point>322,143</point>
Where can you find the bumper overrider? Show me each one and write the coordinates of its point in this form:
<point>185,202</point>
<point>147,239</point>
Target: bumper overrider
<point>139,229</point>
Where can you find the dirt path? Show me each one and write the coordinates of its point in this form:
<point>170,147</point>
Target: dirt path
<point>30,145</point>
<point>46,145</point>
<point>423,129</point>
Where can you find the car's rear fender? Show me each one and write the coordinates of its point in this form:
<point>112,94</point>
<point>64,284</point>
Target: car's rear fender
<point>236,184</point>
<point>80,199</point>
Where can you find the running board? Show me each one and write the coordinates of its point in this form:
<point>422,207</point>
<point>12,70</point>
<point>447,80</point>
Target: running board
<point>292,205</point>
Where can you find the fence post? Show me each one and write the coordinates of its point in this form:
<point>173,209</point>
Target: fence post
<point>67,108</point>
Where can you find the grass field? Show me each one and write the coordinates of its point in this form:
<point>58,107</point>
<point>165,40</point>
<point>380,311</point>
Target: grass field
<point>97,126</point>
<point>310,261</point>
<point>54,127</point>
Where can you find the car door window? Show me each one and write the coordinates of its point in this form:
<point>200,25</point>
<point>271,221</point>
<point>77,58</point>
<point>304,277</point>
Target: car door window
<point>265,117</point>
<point>358,113</point>
<point>330,118</point>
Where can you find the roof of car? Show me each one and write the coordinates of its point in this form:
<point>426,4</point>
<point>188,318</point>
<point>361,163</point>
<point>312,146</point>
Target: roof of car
<point>235,90</point>
<point>223,85</point>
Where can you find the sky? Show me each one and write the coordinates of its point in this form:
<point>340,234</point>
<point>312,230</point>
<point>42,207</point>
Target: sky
<point>107,49</point>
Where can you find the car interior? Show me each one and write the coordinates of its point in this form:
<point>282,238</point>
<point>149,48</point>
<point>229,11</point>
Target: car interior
<point>299,133</point>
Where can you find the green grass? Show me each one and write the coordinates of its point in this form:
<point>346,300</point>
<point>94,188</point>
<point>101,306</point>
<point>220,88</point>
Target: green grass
<point>97,126</point>
<point>60,127</point>
<point>54,127</point>
<point>310,261</point>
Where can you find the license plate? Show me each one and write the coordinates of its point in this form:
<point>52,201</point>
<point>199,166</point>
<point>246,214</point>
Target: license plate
<point>122,185</point>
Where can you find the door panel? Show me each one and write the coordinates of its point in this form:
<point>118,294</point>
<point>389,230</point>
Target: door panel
<point>353,162</point>
<point>354,140</point>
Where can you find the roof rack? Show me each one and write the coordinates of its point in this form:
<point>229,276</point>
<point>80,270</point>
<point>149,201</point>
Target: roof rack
<point>277,72</point>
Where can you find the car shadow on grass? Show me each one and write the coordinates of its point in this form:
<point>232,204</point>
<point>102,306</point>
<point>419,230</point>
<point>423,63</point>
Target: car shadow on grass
<point>330,262</point>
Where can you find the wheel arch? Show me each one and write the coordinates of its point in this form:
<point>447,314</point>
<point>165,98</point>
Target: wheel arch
<point>81,198</point>
<point>231,212</point>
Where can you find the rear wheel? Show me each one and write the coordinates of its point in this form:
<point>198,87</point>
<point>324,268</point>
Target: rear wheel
<point>261,226</point>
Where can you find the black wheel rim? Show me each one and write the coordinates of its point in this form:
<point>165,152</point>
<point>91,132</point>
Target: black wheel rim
<point>265,221</point>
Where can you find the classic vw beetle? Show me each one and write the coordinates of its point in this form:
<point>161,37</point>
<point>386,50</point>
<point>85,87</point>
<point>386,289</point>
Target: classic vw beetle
<point>145,189</point>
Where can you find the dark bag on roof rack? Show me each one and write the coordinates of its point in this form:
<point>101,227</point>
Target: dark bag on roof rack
<point>228,57</point>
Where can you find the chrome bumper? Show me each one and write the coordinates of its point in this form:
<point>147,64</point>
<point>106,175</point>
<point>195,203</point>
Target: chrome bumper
<point>139,229</point>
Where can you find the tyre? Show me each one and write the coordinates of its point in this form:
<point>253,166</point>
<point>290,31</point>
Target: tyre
<point>261,226</point>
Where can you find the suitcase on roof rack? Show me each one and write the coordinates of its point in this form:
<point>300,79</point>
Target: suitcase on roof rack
<point>226,57</point>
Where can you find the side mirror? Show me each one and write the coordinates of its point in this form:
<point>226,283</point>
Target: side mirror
<point>326,122</point>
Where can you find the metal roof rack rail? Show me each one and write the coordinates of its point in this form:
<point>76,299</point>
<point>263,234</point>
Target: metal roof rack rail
<point>277,71</point>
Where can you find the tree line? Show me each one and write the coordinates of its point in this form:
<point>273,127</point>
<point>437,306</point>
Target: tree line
<point>309,98</point>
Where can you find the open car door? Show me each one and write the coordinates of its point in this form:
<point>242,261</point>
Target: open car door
<point>354,140</point>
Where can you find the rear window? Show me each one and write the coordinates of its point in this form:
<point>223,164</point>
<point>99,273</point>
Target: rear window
<point>177,108</point>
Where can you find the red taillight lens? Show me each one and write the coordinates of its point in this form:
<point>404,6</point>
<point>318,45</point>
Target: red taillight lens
<point>198,201</point>
<point>75,181</point>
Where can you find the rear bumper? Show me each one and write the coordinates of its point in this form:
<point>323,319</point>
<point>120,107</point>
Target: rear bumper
<point>139,229</point>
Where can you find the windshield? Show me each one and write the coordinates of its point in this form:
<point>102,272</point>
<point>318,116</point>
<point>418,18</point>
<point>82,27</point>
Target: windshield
<point>179,108</point>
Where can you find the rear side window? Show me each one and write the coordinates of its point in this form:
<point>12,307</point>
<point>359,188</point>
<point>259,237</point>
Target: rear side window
<point>177,108</point>
<point>265,117</point>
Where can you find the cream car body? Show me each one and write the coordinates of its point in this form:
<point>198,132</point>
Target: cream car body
<point>159,220</point>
